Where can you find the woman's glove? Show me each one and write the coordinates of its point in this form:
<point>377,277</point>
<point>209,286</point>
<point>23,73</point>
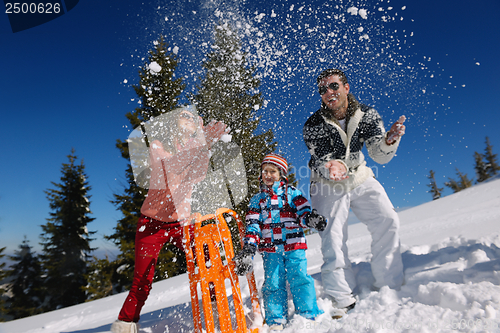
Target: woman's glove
<point>314,220</point>
<point>243,260</point>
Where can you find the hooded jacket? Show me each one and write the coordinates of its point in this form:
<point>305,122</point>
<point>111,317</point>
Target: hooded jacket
<point>326,141</point>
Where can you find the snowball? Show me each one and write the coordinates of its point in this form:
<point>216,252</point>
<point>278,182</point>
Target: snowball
<point>259,17</point>
<point>226,138</point>
<point>352,10</point>
<point>154,67</point>
<point>355,11</point>
<point>365,37</point>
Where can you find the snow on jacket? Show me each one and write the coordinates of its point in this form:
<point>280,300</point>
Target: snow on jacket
<point>274,220</point>
<point>326,141</point>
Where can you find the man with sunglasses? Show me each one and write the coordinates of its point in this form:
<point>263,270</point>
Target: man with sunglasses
<point>340,180</point>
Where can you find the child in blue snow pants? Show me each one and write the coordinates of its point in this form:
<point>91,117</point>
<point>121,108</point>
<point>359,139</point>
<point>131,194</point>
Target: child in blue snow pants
<point>280,267</point>
<point>275,220</point>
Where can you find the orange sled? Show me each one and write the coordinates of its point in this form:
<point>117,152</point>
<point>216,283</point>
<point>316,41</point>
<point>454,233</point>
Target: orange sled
<point>209,261</point>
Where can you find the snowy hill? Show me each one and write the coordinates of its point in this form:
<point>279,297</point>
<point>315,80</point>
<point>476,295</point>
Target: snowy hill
<point>451,254</point>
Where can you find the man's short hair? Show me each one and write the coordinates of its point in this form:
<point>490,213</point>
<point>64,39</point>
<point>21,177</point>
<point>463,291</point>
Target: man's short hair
<point>331,72</point>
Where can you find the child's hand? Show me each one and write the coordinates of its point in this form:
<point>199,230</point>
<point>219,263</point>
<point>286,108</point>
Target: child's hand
<point>243,260</point>
<point>244,265</point>
<point>316,221</point>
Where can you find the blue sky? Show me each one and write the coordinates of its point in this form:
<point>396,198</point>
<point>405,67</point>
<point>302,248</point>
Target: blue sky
<point>67,84</point>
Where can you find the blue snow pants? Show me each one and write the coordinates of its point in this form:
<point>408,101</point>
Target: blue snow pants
<point>278,268</point>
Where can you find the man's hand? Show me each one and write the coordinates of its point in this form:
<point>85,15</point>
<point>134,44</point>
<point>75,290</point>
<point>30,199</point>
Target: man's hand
<point>397,130</point>
<point>338,171</point>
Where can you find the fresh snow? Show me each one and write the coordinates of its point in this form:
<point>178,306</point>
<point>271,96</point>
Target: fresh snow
<point>451,257</point>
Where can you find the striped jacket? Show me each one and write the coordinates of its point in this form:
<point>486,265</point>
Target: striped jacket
<point>273,221</point>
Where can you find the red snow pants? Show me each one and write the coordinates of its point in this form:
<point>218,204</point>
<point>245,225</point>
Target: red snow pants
<point>150,237</point>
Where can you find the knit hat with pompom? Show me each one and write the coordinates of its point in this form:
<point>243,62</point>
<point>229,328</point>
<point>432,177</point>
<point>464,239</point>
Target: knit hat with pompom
<point>277,160</point>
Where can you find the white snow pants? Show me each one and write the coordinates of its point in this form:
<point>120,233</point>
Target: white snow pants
<point>371,205</point>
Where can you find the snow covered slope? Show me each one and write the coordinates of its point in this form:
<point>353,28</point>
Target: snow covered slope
<point>451,254</point>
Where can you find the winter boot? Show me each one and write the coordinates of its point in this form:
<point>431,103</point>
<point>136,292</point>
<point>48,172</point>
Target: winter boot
<point>124,327</point>
<point>276,328</point>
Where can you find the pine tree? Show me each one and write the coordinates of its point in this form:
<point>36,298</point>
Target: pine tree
<point>159,92</point>
<point>435,190</point>
<point>26,286</point>
<point>463,182</point>
<point>480,166</point>
<point>99,278</point>
<point>229,93</point>
<point>3,309</point>
<point>453,184</point>
<point>66,239</point>
<point>492,167</point>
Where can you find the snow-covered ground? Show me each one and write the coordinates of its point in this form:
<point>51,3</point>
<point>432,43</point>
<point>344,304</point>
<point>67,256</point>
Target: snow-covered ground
<point>451,254</point>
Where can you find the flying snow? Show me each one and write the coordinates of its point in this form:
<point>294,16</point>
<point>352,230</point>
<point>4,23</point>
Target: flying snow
<point>154,67</point>
<point>355,11</point>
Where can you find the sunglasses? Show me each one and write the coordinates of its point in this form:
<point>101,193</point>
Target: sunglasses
<point>188,116</point>
<point>323,89</point>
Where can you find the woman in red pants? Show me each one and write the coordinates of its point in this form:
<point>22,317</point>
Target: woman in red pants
<point>177,163</point>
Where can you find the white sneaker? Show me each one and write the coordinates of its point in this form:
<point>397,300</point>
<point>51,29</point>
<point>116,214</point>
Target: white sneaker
<point>120,326</point>
<point>276,328</point>
<point>338,313</point>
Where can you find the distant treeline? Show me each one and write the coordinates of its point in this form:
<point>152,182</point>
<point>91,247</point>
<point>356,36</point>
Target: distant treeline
<point>486,166</point>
